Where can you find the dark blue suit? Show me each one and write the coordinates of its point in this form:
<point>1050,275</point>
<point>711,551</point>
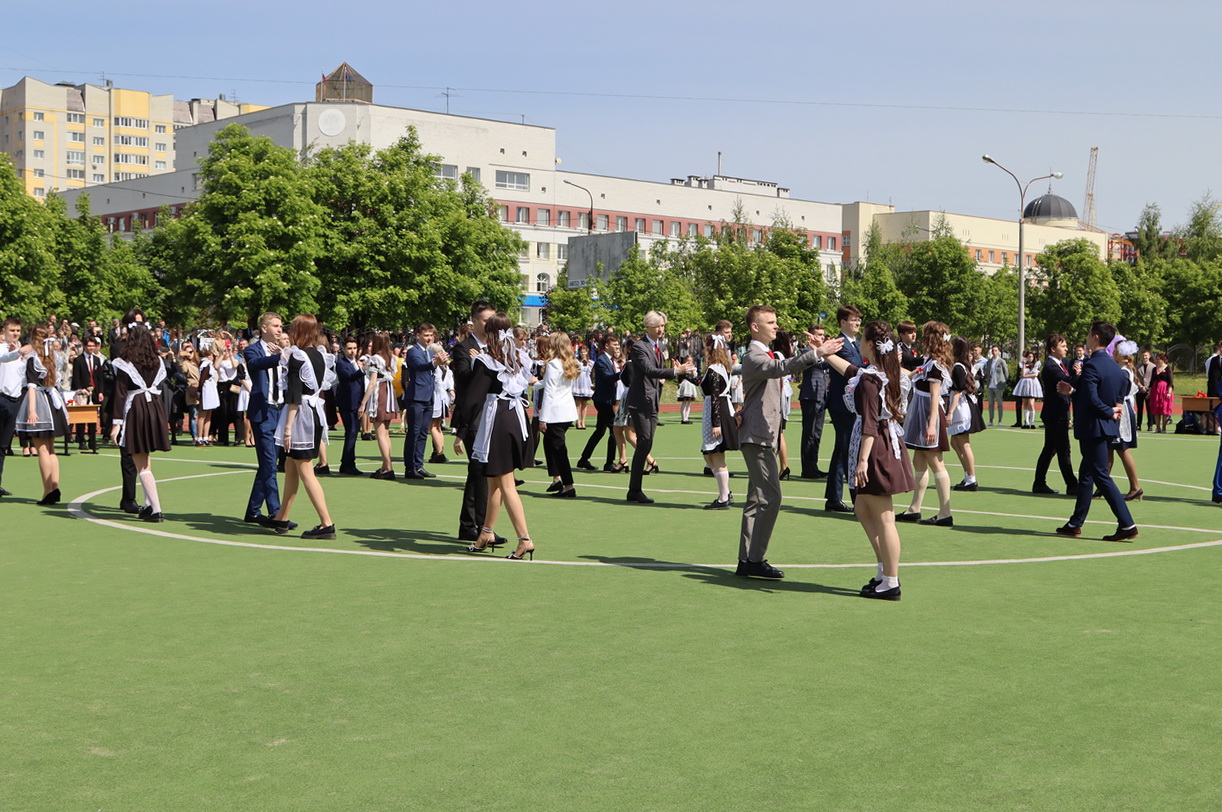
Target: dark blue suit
<point>812,395</point>
<point>1217,393</point>
<point>418,390</point>
<point>1101,386</point>
<point>349,391</point>
<point>263,418</point>
<point>842,420</point>
<point>605,379</point>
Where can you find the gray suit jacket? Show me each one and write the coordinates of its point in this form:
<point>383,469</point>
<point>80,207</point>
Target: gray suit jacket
<point>761,414</point>
<point>645,388</point>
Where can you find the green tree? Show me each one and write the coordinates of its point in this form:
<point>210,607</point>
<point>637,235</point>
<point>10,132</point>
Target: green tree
<point>941,281</point>
<point>571,309</point>
<point>996,319</point>
<point>641,284</point>
<point>1202,234</point>
<point>249,243</point>
<point>1193,293</point>
<point>870,285</point>
<point>29,270</point>
<point>1151,243</point>
<point>1143,308</point>
<point>1078,288</point>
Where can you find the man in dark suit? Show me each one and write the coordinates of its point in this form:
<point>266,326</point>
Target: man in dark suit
<point>605,378</point>
<point>266,399</point>
<point>132,320</point>
<point>812,395</point>
<point>648,361</point>
<point>469,393</point>
<point>87,373</point>
<point>1098,401</point>
<point>419,388</point>
<point>1055,416</point>
<point>349,390</point>
<point>843,418</point>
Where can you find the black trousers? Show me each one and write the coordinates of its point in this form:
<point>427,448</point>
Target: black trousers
<point>1056,442</point>
<point>8,425</point>
<point>227,415</point>
<point>1141,407</point>
<point>128,468</point>
<point>474,495</point>
<point>644,423</point>
<point>352,429</point>
<point>839,470</point>
<point>557,453</point>
<point>813,412</point>
<point>606,420</point>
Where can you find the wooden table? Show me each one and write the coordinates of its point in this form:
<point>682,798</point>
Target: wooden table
<point>86,415</point>
<point>1204,407</point>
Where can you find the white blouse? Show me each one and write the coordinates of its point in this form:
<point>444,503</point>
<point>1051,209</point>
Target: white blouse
<point>558,404</point>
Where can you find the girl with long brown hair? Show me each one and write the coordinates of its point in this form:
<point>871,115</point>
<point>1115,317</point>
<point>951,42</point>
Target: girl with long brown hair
<point>379,401</point>
<point>558,411</point>
<point>718,428</point>
<point>41,414</point>
<point>925,424</point>
<point>878,464</point>
<point>141,425</point>
<point>209,397</point>
<point>964,410</point>
<point>305,372</point>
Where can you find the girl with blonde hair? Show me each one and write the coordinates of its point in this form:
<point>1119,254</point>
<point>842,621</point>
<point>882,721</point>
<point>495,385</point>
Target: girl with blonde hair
<point>557,411</point>
<point>41,414</point>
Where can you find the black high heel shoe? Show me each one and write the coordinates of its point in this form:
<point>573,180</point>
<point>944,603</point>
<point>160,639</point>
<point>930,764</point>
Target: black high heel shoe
<point>480,548</point>
<point>1137,494</point>
<point>50,499</point>
<point>785,473</point>
<point>529,552</point>
<point>653,469</point>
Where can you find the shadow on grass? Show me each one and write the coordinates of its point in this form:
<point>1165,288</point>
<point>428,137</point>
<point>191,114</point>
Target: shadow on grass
<point>403,540</point>
<point>716,576</point>
<point>617,499</point>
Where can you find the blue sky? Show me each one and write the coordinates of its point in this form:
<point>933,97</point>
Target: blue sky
<point>883,101</point>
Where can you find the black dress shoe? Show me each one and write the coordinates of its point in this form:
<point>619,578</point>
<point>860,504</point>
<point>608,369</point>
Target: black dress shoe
<point>966,486</point>
<point>1043,489</point>
<point>758,569</point>
<point>571,493</point>
<point>837,507</point>
<point>586,465</point>
<point>1122,534</point>
<point>3,492</point>
<point>720,504</point>
<point>425,474</point>
<point>892,594</point>
<point>406,475</point>
<point>322,470</point>
<point>437,459</point>
<point>869,587</point>
<point>1069,530</point>
<point>1217,498</point>
<point>50,499</point>
<point>639,498</point>
<point>555,486</point>
<point>133,508</point>
<point>320,532</point>
<point>934,521</point>
<point>610,468</point>
<point>350,470</point>
<point>155,518</point>
<point>708,471</point>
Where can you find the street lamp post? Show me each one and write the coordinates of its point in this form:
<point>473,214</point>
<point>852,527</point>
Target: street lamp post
<point>1022,279</point>
<point>590,215</point>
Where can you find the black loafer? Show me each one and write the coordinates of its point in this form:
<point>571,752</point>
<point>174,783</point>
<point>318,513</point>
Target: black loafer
<point>966,486</point>
<point>133,508</point>
<point>1044,489</point>
<point>571,493</point>
<point>908,517</point>
<point>718,505</point>
<point>934,521</point>
<point>639,498</point>
<point>838,507</point>
<point>423,474</point>
<point>1069,530</point>
<point>892,594</point>
<point>586,465</point>
<point>3,492</point>
<point>758,569</point>
<point>320,532</point>
<point>1122,534</point>
<point>555,486</point>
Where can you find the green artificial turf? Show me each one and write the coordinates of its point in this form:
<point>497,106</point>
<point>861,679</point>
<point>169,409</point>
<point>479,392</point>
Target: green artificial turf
<point>144,672</point>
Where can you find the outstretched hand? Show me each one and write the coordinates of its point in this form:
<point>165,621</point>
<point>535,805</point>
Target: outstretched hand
<point>829,346</point>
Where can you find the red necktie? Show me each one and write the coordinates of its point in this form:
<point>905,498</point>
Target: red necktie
<point>771,355</point>
<point>657,351</point>
<point>90,359</point>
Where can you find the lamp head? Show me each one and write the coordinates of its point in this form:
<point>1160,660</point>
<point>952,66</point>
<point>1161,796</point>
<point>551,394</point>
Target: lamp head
<point>987,159</point>
<point>1057,175</point>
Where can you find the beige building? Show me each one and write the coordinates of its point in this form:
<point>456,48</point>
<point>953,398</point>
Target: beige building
<point>66,136</point>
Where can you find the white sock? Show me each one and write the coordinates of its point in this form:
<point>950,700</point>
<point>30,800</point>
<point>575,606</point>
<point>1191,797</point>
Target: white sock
<point>723,484</point>
<point>968,479</point>
<point>878,574</point>
<point>888,583</point>
<point>941,482</point>
<point>149,484</point>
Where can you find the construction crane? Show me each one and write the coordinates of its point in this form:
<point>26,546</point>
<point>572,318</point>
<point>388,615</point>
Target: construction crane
<point>1088,210</point>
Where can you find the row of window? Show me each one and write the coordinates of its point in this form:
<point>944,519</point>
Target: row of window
<point>543,250</point>
<point>450,172</point>
<point>1005,257</point>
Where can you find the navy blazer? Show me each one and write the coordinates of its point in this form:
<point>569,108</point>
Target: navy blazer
<point>350,386</point>
<point>814,380</point>
<point>605,378</point>
<point>836,381</point>
<point>1100,388</point>
<point>1056,406</point>
<point>417,376</point>
<point>258,363</point>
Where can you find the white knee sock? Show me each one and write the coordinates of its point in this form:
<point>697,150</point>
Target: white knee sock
<point>941,481</point>
<point>723,484</point>
<point>149,483</point>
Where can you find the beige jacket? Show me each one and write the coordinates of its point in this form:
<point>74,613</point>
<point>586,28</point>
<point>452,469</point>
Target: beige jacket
<point>761,413</point>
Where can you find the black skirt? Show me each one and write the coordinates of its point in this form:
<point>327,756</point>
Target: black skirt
<point>507,450</point>
<point>146,427</point>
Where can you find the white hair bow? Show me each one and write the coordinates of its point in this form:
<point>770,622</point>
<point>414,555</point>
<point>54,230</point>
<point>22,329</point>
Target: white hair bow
<point>885,347</point>
<point>505,335</point>
<point>719,340</point>
<point>946,337</point>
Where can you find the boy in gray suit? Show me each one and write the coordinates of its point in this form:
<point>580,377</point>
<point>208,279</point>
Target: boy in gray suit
<point>758,433</point>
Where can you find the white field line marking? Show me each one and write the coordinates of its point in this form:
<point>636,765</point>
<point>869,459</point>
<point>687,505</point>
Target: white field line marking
<point>75,509</point>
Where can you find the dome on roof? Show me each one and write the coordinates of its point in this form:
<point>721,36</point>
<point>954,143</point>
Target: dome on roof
<point>1051,210</point>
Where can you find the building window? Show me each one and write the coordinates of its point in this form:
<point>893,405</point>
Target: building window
<point>131,140</point>
<point>638,225</point>
<point>503,213</point>
<point>159,129</point>
<point>76,118</point>
<point>99,141</point>
<point>39,135</point>
<point>98,160</point>
<point>130,175</point>
<point>134,123</point>
<point>1028,260</point>
<point>40,191</point>
<point>76,158</point>
<point>160,146</point>
<point>75,174</point>
<point>621,223</point>
<point>39,117</point>
<point>562,251</point>
<point>524,252</point>
<point>562,219</point>
<point>676,228</point>
<point>473,171</point>
<point>99,122</point>
<point>602,222</point>
<point>583,220</point>
<point>99,178</point>
<point>38,153</point>
<point>757,236</point>
<point>693,230</point>
<point>708,229</point>
<point>816,241</point>
<point>831,243</point>
<point>522,215</point>
<point>543,250</point>
<point>447,172</point>
<point>78,137</point>
<point>519,181</point>
<point>126,158</point>
<point>1005,258</point>
<point>659,227</point>
<point>543,217</point>
<point>979,254</point>
<point>159,165</point>
<point>40,173</point>
<point>543,283</point>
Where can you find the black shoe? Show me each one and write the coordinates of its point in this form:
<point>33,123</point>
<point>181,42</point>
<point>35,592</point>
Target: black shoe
<point>437,459</point>
<point>1069,530</point>
<point>154,518</point>
<point>708,471</point>
<point>322,470</point>
<point>50,499</point>
<point>3,492</point>
<point>892,594</point>
<point>133,508</point>
<point>388,475</point>
<point>1122,534</point>
<point>934,521</point>
<point>585,465</point>
<point>610,468</point>
<point>517,483</point>
<point>366,436</point>
<point>538,463</point>
<point>908,517</point>
<point>966,486</point>
<point>281,527</point>
<point>639,498</point>
<point>869,587</point>
<point>571,493</point>
<point>785,473</point>
<point>758,569</point>
<point>280,468</point>
<point>837,507</point>
<point>425,474</point>
<point>1217,497</point>
<point>411,474</point>
<point>653,469</point>
<point>555,486</point>
<point>350,470</point>
<point>718,505</point>
<point>320,532</point>
<point>496,540</point>
<point>1043,489</point>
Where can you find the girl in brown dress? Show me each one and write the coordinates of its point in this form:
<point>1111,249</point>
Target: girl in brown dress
<point>925,425</point>
<point>878,459</point>
<point>41,414</point>
<point>718,428</point>
<point>379,402</point>
<point>141,426</point>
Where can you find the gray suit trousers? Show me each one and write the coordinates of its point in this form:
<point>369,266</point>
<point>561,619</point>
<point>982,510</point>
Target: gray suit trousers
<point>763,501</point>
